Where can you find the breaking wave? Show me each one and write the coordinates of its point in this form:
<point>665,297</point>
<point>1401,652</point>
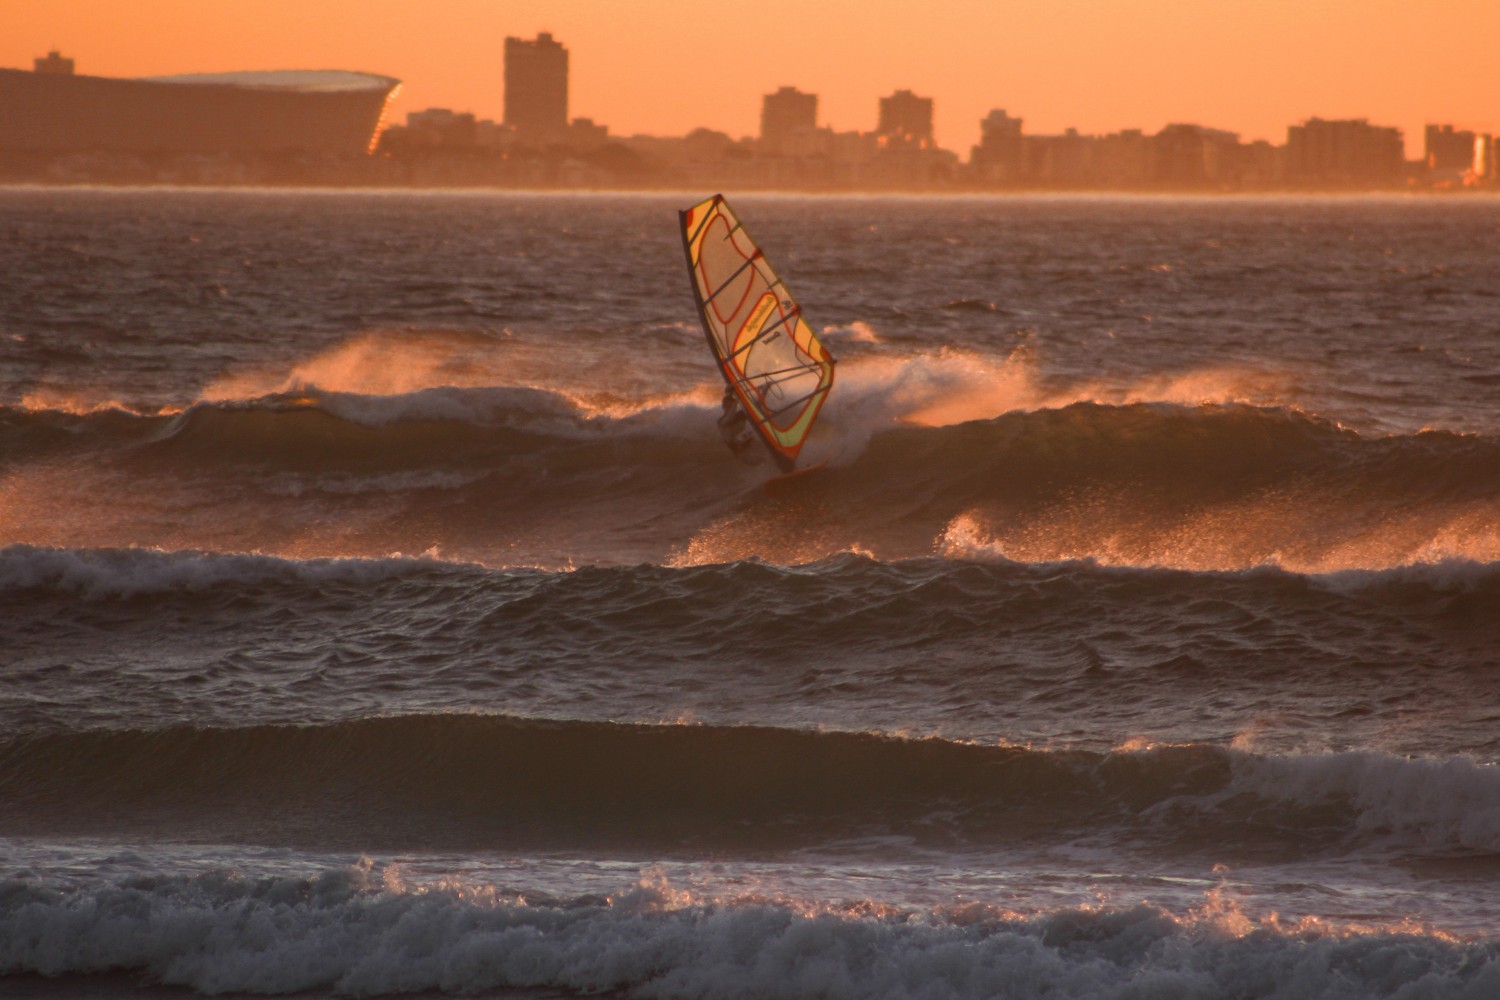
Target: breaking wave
<point>545,477</point>
<point>363,930</point>
<point>494,782</point>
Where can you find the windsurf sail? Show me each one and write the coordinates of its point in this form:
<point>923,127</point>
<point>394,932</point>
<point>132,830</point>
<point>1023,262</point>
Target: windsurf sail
<point>768,355</point>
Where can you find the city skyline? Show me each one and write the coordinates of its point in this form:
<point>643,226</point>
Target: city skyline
<point>66,126</point>
<point>1090,67</point>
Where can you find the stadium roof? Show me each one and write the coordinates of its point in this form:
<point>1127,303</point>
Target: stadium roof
<point>309,80</point>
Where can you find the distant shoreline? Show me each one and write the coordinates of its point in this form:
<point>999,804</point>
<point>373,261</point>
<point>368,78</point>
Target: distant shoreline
<point>1141,194</point>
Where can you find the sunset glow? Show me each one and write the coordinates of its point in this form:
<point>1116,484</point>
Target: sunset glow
<point>1249,67</point>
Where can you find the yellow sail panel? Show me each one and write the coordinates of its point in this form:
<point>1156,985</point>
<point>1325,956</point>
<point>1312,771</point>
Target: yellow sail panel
<point>766,352</point>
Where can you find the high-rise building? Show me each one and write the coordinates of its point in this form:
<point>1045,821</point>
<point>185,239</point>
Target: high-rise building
<point>54,64</point>
<point>442,127</point>
<point>1485,148</point>
<point>785,114</point>
<point>1191,155</point>
<point>999,156</point>
<point>1446,149</point>
<point>905,120</point>
<point>1344,153</point>
<point>536,86</point>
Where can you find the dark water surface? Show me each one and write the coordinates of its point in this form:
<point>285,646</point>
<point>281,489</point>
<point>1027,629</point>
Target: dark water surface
<point>380,613</point>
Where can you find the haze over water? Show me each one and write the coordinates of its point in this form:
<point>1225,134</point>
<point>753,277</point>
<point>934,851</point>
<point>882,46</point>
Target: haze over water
<point>382,613</point>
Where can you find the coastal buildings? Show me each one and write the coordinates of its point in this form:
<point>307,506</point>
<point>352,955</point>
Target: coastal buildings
<point>1350,153</point>
<point>786,116</point>
<point>536,87</point>
<point>1485,169</point>
<point>53,64</point>
<point>999,157</point>
<point>1448,149</point>
<point>905,120</point>
<point>301,127</point>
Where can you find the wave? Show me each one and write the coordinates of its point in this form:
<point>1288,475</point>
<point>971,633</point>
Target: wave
<point>495,782</point>
<point>984,650</point>
<point>364,931</point>
<point>1197,488</point>
<point>522,470</point>
<point>128,573</point>
<point>313,430</point>
<point>105,574</point>
<point>127,638</point>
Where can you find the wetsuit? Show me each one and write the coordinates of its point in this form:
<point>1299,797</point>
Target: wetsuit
<point>735,429</point>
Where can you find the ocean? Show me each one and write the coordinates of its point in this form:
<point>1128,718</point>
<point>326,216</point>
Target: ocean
<point>381,614</point>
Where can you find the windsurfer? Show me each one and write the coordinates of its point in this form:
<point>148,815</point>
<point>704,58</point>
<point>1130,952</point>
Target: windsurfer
<point>734,428</point>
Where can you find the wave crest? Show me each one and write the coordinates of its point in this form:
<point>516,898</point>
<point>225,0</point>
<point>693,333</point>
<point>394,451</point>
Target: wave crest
<point>486,782</point>
<point>360,931</point>
<point>556,479</point>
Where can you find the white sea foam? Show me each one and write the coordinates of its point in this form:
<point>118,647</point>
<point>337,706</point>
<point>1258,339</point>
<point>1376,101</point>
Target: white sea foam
<point>379,363</point>
<point>507,404</point>
<point>357,933</point>
<point>1442,805</point>
<point>556,413</point>
<point>966,536</point>
<point>1211,545</point>
<point>857,332</point>
<point>1448,573</point>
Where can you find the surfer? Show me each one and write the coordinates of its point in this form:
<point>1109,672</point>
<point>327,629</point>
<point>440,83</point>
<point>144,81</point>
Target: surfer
<point>734,428</point>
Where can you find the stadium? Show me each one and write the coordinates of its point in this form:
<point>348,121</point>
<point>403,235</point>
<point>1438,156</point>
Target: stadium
<point>53,110</point>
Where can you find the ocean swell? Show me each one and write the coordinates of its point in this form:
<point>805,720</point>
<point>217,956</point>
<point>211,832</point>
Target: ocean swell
<point>488,782</point>
<point>126,638</point>
<point>495,474</point>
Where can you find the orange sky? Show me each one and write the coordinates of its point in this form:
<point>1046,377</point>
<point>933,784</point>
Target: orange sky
<point>668,66</point>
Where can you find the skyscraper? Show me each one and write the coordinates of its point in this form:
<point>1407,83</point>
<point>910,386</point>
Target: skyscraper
<point>906,119</point>
<point>1446,148</point>
<point>1485,148</point>
<point>536,85</point>
<point>1350,152</point>
<point>784,114</point>
<point>999,155</point>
